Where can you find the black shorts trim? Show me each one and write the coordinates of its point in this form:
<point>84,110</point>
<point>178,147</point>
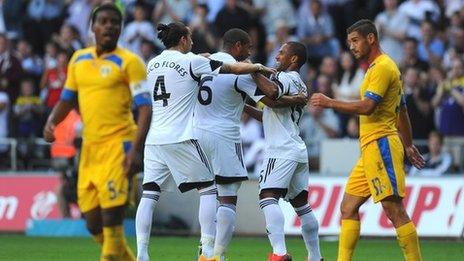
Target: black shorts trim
<point>228,180</point>
<point>187,186</point>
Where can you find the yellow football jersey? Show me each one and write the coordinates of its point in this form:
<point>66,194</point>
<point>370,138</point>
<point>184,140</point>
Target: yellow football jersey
<point>105,86</point>
<point>382,84</point>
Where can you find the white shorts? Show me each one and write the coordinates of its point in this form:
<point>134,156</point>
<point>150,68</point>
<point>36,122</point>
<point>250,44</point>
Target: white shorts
<point>185,162</point>
<point>285,174</point>
<point>226,157</point>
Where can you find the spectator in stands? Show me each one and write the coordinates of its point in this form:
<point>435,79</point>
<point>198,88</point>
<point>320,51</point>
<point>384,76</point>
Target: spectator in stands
<point>31,63</point>
<point>430,48</point>
<point>232,16</point>
<point>329,67</point>
<point>63,152</point>
<point>51,51</point>
<point>44,18</point>
<point>274,42</point>
<point>214,6</point>
<point>167,11</point>
<point>352,128</point>
<point>449,100</point>
<point>392,26</point>
<point>456,46</point>
<point>271,11</point>
<point>316,30</point>
<point>68,39</point>
<point>4,122</point>
<point>53,79</point>
<point>319,124</point>
<point>418,100</point>
<point>148,51</point>
<point>437,161</point>
<point>338,10</point>
<point>202,35</point>
<point>349,78</point>
<point>418,11</point>
<point>28,111</point>
<point>11,18</point>
<point>411,56</point>
<point>138,30</point>
<point>79,16</point>
<point>10,70</point>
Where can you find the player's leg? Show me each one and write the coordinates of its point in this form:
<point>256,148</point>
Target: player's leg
<point>390,184</point>
<point>225,216</point>
<point>298,195</point>
<point>405,229</point>
<point>191,169</point>
<point>93,222</point>
<point>114,242</point>
<point>274,182</point>
<point>356,193</point>
<point>155,173</point>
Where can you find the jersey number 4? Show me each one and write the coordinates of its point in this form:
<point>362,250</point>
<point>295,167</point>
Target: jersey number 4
<point>159,85</point>
<point>204,88</point>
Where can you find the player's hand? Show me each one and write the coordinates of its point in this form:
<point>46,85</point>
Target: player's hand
<point>265,70</point>
<point>132,163</point>
<point>415,157</point>
<point>49,132</point>
<point>320,100</point>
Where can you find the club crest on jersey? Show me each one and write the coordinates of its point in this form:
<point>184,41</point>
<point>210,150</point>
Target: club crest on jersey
<point>105,71</point>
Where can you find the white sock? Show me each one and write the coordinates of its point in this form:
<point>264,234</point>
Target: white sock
<point>207,219</point>
<point>143,221</point>
<point>224,228</point>
<point>274,224</point>
<point>309,229</point>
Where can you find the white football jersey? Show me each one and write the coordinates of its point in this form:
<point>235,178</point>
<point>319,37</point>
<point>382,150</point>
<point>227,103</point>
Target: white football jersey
<point>281,131</point>
<point>221,99</point>
<point>174,79</point>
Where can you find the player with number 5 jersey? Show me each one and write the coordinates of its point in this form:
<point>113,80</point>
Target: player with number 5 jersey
<point>171,151</point>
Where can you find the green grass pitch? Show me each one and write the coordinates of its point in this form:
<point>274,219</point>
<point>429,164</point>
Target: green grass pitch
<point>17,247</point>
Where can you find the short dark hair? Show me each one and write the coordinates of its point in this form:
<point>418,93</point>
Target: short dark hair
<point>170,34</point>
<point>363,27</point>
<point>234,36</point>
<point>106,7</point>
<point>298,49</point>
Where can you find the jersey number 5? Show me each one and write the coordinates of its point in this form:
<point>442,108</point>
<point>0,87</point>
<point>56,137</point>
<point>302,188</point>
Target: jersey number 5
<point>159,84</point>
<point>204,88</point>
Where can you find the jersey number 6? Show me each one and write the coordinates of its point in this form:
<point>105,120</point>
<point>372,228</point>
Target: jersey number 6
<point>204,88</point>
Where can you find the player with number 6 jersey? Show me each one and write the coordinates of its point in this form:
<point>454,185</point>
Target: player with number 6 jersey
<point>171,151</point>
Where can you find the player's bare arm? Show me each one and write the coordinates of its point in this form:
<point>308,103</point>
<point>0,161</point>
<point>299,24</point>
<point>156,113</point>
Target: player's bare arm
<point>360,107</point>
<point>255,113</point>
<point>405,131</point>
<point>245,68</point>
<point>59,112</point>
<point>143,123</point>
<point>268,87</point>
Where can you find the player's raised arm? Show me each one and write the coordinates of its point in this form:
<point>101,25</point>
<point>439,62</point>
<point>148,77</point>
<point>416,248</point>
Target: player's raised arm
<point>245,68</point>
<point>405,130</point>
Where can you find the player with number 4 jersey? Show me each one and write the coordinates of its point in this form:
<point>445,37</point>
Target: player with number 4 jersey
<point>171,151</point>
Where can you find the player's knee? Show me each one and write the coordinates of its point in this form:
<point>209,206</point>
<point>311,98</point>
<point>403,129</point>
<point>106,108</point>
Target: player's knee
<point>300,200</point>
<point>348,211</point>
<point>228,200</point>
<point>151,186</point>
<point>94,228</point>
<point>311,227</point>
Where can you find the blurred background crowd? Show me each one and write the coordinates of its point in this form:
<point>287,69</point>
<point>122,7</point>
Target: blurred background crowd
<point>425,38</point>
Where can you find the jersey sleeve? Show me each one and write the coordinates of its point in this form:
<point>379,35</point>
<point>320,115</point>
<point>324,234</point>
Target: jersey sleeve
<point>282,82</point>
<point>247,85</point>
<point>136,75</point>
<point>200,65</point>
<point>69,92</point>
<point>379,81</point>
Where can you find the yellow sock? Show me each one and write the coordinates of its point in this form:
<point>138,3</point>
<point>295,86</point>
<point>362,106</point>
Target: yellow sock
<point>349,235</point>
<point>408,241</point>
<point>114,245</point>
<point>98,238</point>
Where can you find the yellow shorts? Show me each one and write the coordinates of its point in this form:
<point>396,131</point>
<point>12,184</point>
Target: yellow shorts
<point>380,170</point>
<point>101,180</point>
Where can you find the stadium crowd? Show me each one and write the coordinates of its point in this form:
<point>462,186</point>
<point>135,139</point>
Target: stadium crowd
<point>425,38</point>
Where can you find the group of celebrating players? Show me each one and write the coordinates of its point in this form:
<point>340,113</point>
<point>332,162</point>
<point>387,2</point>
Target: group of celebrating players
<point>189,109</point>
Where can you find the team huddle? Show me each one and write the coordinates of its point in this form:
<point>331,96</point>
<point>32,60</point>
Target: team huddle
<point>193,139</point>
